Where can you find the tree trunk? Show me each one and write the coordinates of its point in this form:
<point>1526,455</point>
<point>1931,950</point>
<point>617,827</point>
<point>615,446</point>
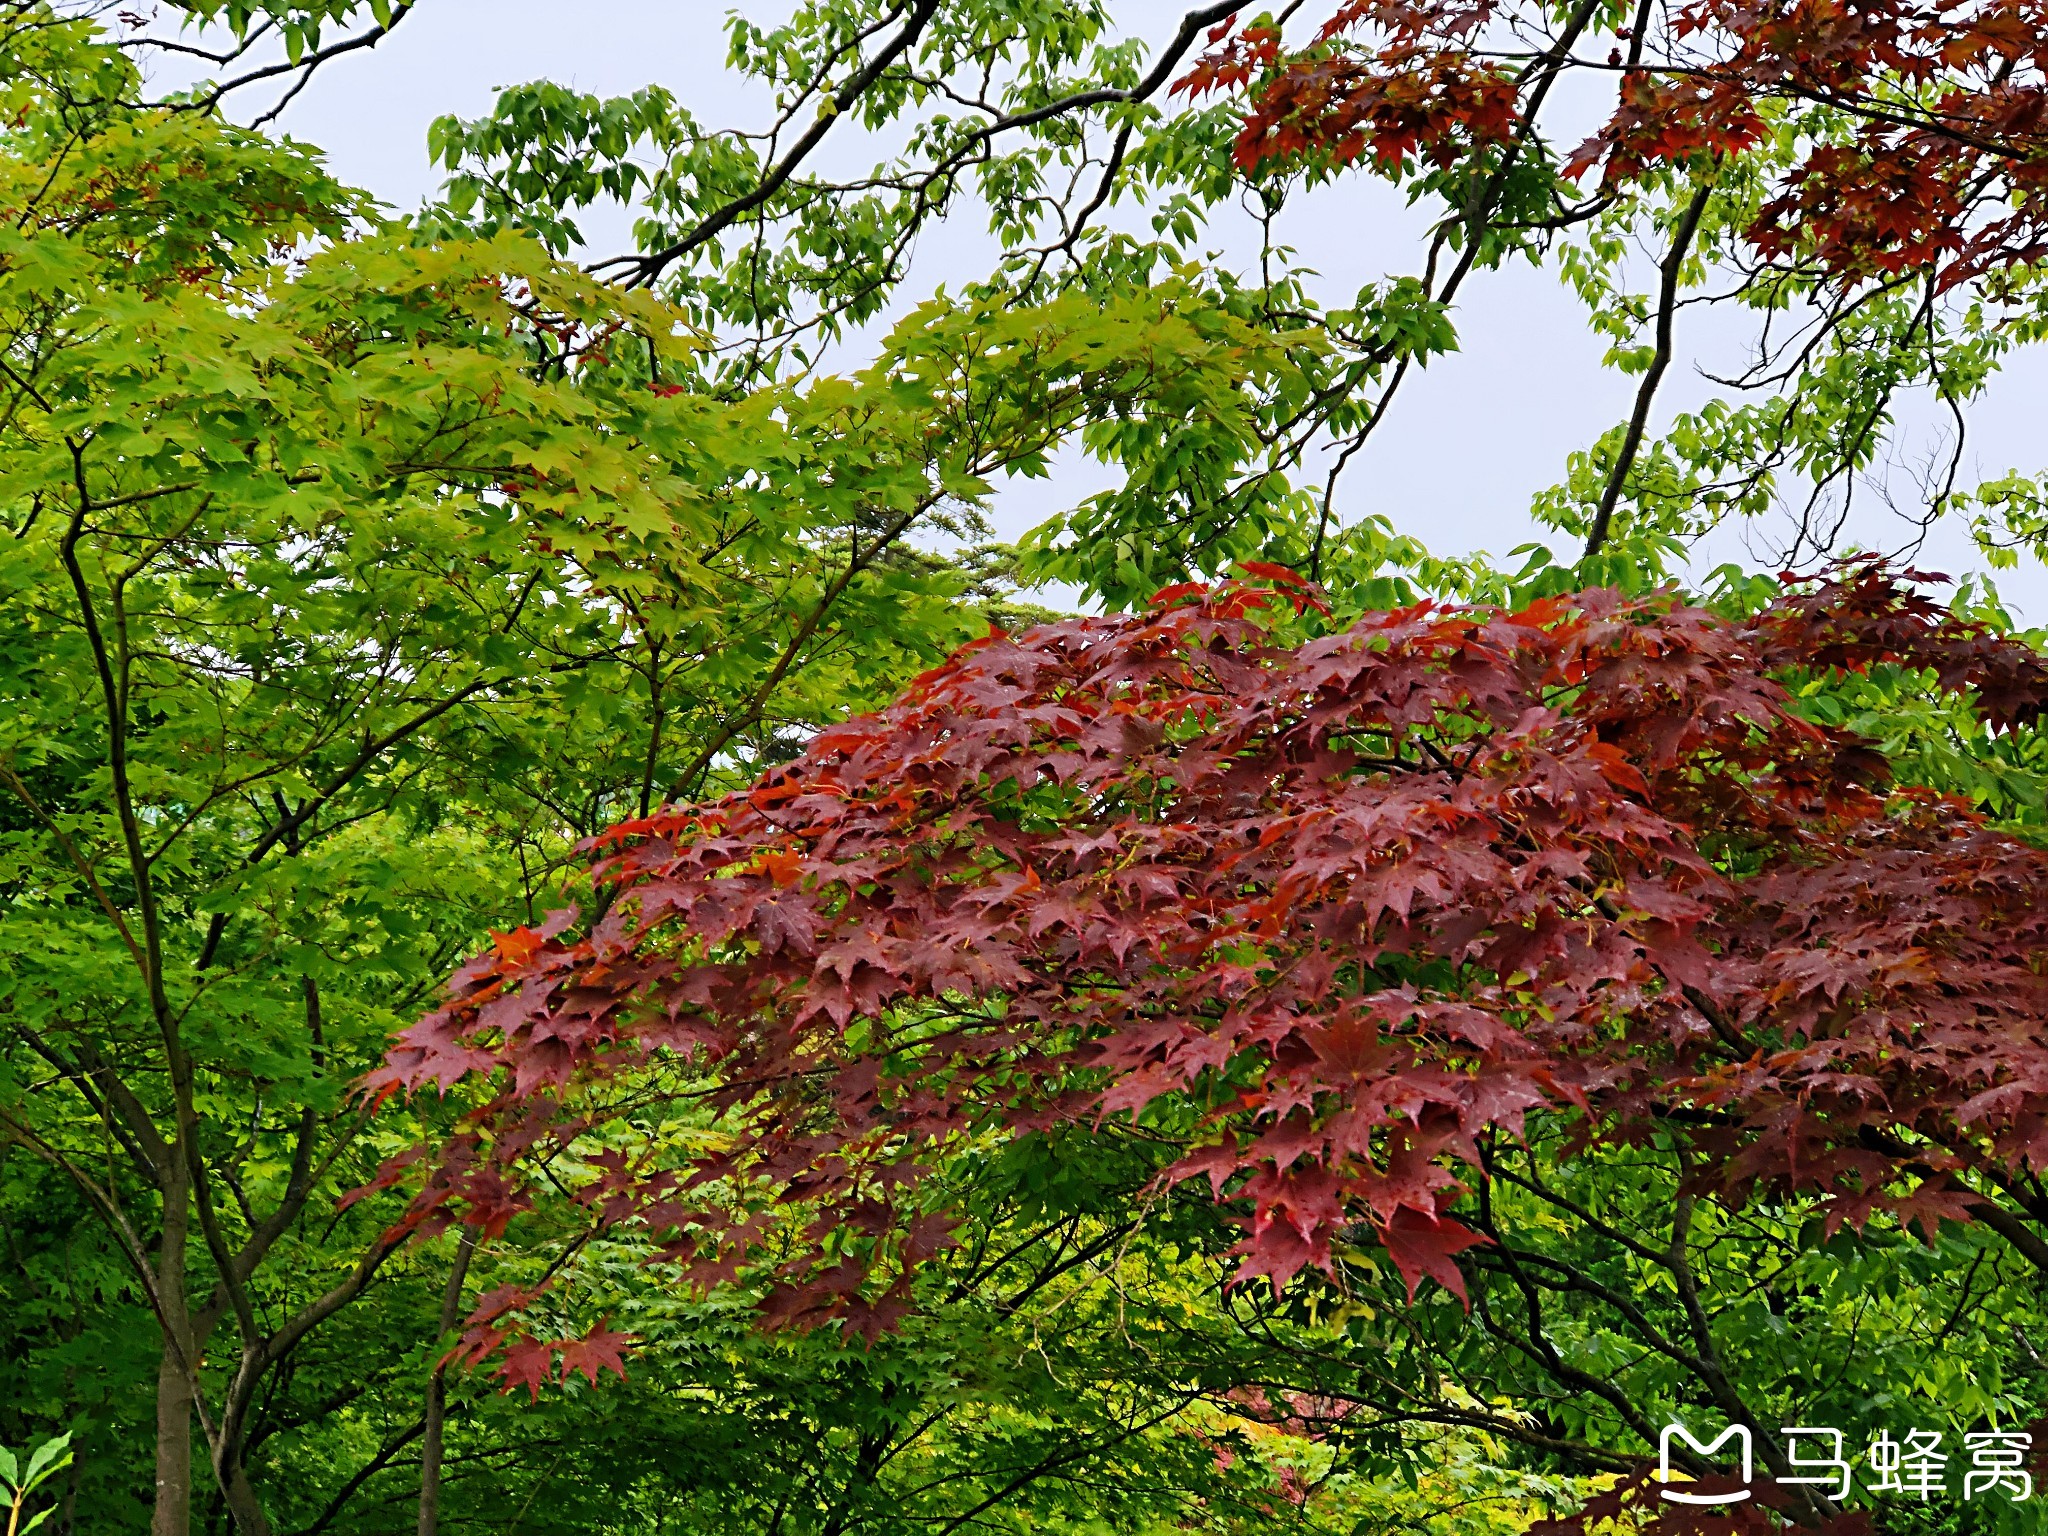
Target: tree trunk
<point>177,1374</point>
<point>243,1506</point>
<point>437,1391</point>
<point>172,1515</point>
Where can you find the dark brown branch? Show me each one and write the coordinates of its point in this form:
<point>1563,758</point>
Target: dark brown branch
<point>1646,392</point>
<point>377,1463</point>
<point>311,61</point>
<point>645,268</point>
<point>750,712</point>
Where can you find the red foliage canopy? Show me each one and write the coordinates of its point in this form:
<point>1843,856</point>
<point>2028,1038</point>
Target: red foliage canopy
<point>1936,156</point>
<point>1331,913</point>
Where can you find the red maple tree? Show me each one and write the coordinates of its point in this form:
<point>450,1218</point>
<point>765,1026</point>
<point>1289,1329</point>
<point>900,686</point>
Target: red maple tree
<point>1920,126</point>
<point>1331,912</point>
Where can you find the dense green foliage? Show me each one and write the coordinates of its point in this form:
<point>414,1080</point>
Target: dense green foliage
<point>356,568</point>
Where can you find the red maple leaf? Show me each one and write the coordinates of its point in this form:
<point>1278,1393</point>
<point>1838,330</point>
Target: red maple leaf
<point>1422,1245</point>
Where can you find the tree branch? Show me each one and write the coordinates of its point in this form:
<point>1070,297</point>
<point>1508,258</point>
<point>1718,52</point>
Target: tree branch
<point>1646,392</point>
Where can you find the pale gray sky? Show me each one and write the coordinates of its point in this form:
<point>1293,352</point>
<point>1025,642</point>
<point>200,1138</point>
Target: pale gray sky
<point>1469,442</point>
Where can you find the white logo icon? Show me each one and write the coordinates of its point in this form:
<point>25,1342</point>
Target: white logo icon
<point>1736,1432</point>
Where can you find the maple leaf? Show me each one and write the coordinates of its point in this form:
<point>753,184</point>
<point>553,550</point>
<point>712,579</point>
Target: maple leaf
<point>1422,1246</point>
<point>599,1350</point>
<point>518,946</point>
<point>526,1362</point>
<point>1932,1203</point>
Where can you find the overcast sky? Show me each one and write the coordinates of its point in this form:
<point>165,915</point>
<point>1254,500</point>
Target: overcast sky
<point>1470,440</point>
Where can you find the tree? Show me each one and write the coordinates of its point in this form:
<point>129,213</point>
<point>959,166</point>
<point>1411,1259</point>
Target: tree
<point>666,547</point>
<point>353,575</point>
<point>1036,123</point>
<point>1866,176</point>
<point>1856,179</point>
<point>1364,927</point>
<point>349,556</point>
